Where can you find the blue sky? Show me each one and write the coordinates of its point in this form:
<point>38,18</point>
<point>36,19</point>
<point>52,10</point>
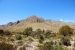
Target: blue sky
<point>13,10</point>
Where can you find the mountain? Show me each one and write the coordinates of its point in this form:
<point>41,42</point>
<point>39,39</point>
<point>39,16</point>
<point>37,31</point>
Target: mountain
<point>36,23</point>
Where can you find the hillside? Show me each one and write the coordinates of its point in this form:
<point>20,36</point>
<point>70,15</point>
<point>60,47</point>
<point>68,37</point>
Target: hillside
<point>48,38</point>
<point>37,23</point>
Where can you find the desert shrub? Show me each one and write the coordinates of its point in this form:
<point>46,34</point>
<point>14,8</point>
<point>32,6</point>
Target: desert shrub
<point>18,37</point>
<point>12,40</point>
<point>39,32</point>
<point>7,32</point>
<point>60,47</point>
<point>5,46</point>
<point>49,34</point>
<point>51,46</point>
<point>65,41</point>
<point>47,46</point>
<point>66,30</point>
<point>30,39</point>
<point>41,39</point>
<point>1,32</point>
<point>33,34</point>
<point>28,31</point>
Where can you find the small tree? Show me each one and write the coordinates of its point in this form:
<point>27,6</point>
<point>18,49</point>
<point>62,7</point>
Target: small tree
<point>66,30</point>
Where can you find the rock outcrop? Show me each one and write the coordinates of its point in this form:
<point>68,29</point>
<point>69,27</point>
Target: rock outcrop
<point>34,19</point>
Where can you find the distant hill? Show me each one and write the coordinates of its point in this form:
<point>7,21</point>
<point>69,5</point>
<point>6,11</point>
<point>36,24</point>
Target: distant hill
<point>36,23</point>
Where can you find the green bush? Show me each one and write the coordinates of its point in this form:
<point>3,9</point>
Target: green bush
<point>60,47</point>
<point>1,32</point>
<point>39,32</point>
<point>18,37</point>
<point>47,46</point>
<point>51,46</point>
<point>65,41</point>
<point>28,31</point>
<point>49,34</point>
<point>7,32</point>
<point>66,30</point>
<point>41,39</point>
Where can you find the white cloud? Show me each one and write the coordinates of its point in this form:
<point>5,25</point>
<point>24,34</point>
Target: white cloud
<point>61,20</point>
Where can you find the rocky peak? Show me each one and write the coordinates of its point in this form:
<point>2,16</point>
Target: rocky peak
<point>34,19</point>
